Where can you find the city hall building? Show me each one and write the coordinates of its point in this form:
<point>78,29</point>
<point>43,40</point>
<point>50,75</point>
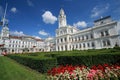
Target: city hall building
<point>104,34</point>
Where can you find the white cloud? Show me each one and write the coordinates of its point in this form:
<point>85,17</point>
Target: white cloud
<point>82,24</point>
<point>30,3</point>
<point>49,18</point>
<point>42,32</point>
<point>1,11</point>
<point>37,37</point>
<point>17,33</point>
<point>14,10</point>
<point>99,10</point>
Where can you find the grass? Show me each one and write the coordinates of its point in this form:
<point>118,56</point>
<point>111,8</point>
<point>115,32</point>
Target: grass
<point>11,70</point>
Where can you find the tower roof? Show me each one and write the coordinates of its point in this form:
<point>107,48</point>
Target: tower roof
<point>62,12</point>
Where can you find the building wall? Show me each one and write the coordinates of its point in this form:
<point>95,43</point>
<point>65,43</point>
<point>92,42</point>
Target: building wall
<point>104,34</point>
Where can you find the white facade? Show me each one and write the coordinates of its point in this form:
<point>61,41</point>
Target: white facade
<point>19,44</point>
<point>104,34</point>
<point>49,44</point>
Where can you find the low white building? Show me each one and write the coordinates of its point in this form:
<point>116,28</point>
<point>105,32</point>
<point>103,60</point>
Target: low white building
<point>49,44</point>
<point>104,34</point>
<point>19,44</point>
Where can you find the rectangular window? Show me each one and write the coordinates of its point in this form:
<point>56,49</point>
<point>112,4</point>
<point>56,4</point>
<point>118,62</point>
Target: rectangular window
<point>57,40</point>
<point>82,37</point>
<point>65,39</point>
<point>61,40</point>
<point>88,44</point>
<point>79,38</point>
<point>91,36</point>
<point>102,34</point>
<point>104,43</point>
<point>76,46</point>
<point>106,33</point>
<point>80,45</point>
<point>84,45</point>
<point>93,45</point>
<point>86,36</point>
<point>108,42</point>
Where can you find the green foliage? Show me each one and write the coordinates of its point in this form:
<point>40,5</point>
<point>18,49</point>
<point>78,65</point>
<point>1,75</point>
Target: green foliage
<point>11,70</point>
<point>89,60</point>
<point>40,64</point>
<point>44,61</point>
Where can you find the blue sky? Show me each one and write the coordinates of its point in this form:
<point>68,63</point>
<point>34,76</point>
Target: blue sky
<point>39,18</point>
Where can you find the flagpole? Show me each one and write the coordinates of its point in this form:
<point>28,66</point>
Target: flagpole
<point>3,20</point>
<point>4,14</point>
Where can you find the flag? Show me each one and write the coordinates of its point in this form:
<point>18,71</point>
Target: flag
<point>1,23</point>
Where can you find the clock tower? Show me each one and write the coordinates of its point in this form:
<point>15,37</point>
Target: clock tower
<point>5,31</point>
<point>62,19</point>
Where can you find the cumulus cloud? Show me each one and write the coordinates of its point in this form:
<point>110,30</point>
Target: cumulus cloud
<point>42,32</point>
<point>30,3</point>
<point>37,37</point>
<point>99,10</point>
<point>14,10</point>
<point>49,18</point>
<point>82,24</point>
<point>1,11</point>
<point>17,33</point>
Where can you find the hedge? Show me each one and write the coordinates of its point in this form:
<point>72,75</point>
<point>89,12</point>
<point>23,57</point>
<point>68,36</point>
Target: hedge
<point>89,60</point>
<point>41,65</point>
<point>45,61</point>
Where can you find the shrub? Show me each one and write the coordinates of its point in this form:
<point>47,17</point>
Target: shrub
<point>88,59</point>
<point>46,60</point>
<point>41,65</point>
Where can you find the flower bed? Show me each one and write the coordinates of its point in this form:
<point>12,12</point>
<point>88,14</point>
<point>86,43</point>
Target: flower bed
<point>99,72</point>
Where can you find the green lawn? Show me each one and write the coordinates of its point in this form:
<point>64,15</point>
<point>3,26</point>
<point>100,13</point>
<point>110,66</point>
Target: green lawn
<point>11,70</point>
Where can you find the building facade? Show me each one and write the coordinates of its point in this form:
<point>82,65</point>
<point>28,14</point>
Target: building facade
<point>104,34</point>
<point>19,44</point>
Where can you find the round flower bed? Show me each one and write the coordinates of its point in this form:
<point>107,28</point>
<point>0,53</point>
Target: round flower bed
<point>99,72</point>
